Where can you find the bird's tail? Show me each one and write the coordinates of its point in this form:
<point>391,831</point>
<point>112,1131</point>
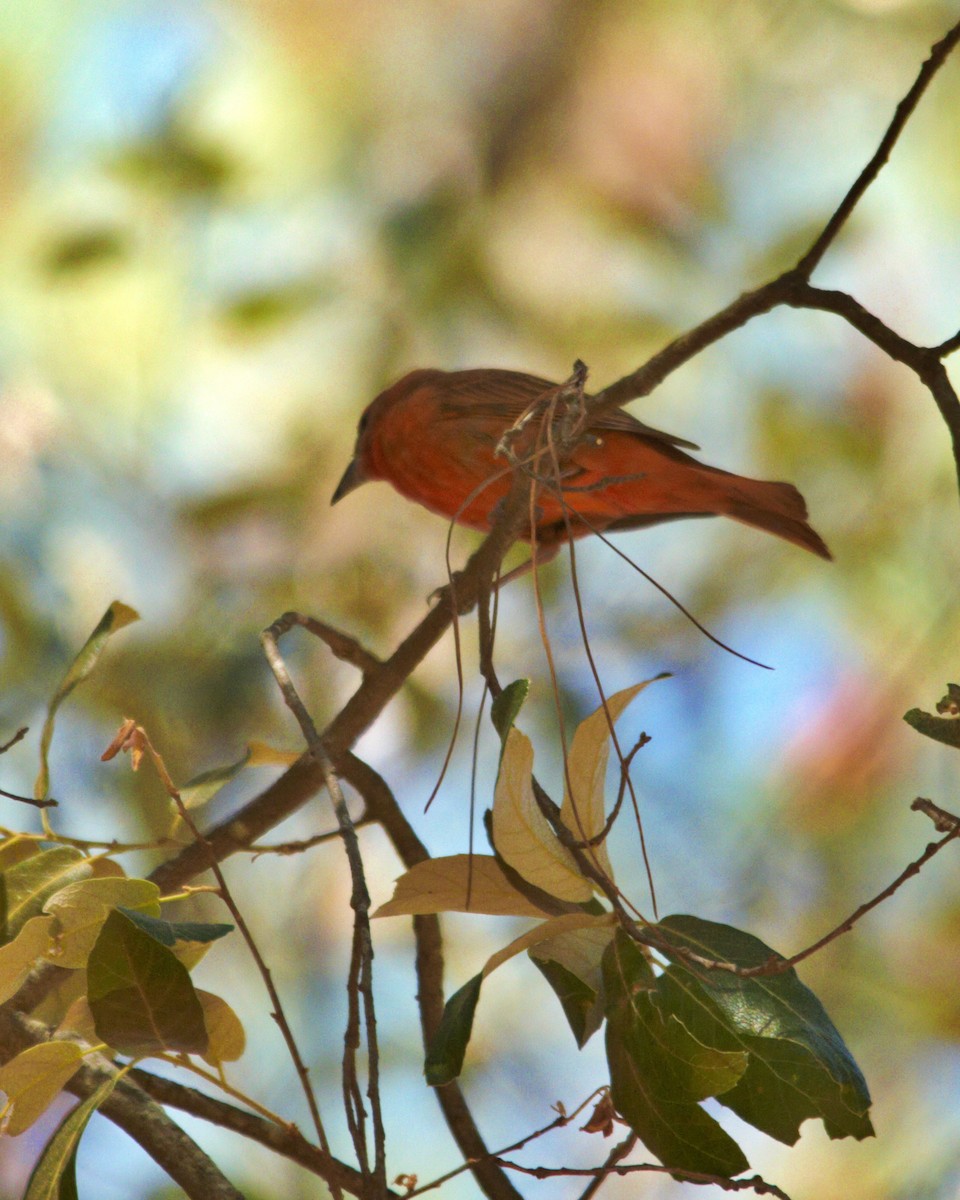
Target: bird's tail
<point>776,507</point>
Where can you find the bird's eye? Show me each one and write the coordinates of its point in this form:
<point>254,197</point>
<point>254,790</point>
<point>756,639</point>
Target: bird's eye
<point>364,422</point>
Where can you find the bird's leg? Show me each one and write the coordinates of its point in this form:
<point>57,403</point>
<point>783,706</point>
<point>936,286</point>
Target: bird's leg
<point>485,623</point>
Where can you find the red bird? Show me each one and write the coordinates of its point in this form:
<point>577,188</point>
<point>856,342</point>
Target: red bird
<point>433,435</point>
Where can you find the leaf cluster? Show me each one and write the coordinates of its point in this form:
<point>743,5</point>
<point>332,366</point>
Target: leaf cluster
<point>683,1021</point>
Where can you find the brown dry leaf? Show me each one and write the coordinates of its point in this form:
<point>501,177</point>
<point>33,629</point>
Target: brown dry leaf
<point>522,834</point>
<point>584,811</point>
<point>444,884</point>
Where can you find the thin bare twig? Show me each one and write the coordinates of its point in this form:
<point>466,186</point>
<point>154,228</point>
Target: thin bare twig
<point>360,974</point>
<point>131,1110</point>
<point>778,965</point>
<point>17,737</point>
<point>48,803</point>
<point>753,1184</point>
<point>382,806</point>
<point>134,738</point>
<point>617,1154</point>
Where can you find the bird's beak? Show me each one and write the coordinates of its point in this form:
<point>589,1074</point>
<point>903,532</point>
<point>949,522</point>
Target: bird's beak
<point>353,476</point>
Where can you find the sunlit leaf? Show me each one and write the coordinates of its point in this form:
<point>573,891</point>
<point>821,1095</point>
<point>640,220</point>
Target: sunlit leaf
<point>571,964</point>
<point>565,923</point>
<point>582,1006</point>
<point>448,1045</point>
<point>141,997</point>
<point>17,958</point>
<point>204,787</point>
<point>799,1066</point>
<point>116,617</point>
<point>33,1080</point>
<point>31,883</point>
<point>15,849</point>
<point>78,1021</point>
<point>654,1084</point>
<point>457,883</point>
<point>262,754</point>
<point>584,808</point>
<point>59,1152</point>
<point>82,908</point>
<point>521,833</point>
<point>227,1038</point>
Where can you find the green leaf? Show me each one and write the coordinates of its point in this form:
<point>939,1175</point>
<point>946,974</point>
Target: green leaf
<point>51,1176</point>
<point>657,1073</point>
<point>167,933</point>
<point>80,249</point>
<point>506,708</point>
<point>448,1045</point>
<point>799,1066</point>
<point>31,883</point>
<point>81,909</point>
<point>18,957</point>
<point>941,729</point>
<point>270,307</point>
<point>224,1029</point>
<point>116,617</point>
<point>140,995</point>
<point>582,1006</point>
<point>204,787</point>
<point>571,964</point>
<point>33,1080</point>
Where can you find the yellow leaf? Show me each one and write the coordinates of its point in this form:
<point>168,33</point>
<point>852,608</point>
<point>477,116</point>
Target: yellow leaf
<point>522,834</point>
<point>548,929</point>
<point>16,849</point>
<point>578,950</point>
<point>583,810</point>
<point>190,953</point>
<point>81,909</point>
<point>17,958</point>
<point>227,1039</point>
<point>33,1080</point>
<point>78,1020</point>
<point>262,755</point>
<point>441,885</point>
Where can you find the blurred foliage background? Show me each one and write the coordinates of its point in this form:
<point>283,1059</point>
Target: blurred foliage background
<point>224,227</point>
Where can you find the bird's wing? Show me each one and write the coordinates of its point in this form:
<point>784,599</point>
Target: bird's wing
<point>506,394</point>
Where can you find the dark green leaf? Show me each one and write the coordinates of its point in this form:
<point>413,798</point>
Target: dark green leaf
<point>140,995</point>
<point>449,1044</point>
<point>81,249</point>
<point>506,708</point>
<point>657,1070</point>
<point>68,1179</point>
<point>582,1005</point>
<point>168,933</point>
<point>941,729</point>
<point>270,307</point>
<point>46,1182</point>
<point>799,1065</point>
